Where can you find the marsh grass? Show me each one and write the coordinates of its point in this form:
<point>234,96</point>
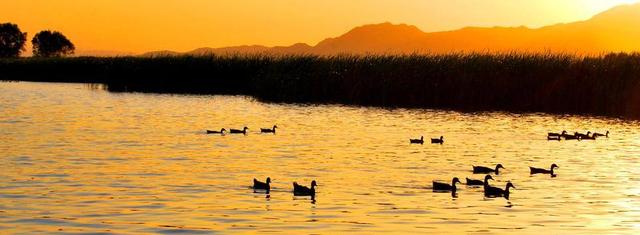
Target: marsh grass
<point>556,83</point>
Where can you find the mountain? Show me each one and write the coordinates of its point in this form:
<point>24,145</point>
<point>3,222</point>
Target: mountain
<point>299,48</point>
<point>614,30</point>
<point>378,38</point>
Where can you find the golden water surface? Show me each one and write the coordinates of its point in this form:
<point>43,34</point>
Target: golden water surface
<point>81,160</point>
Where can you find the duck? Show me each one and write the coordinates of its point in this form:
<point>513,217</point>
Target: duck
<point>299,190</point>
<point>543,171</point>
<point>487,170</point>
<point>592,137</point>
<point>267,130</point>
<point>551,134</point>
<point>257,185</point>
<point>601,135</point>
<point>437,141</point>
<point>582,136</point>
<point>236,131</point>
<point>485,183</point>
<point>417,141</point>
<point>571,137</point>
<point>439,187</point>
<point>491,191</point>
<point>217,132</point>
<point>554,138</point>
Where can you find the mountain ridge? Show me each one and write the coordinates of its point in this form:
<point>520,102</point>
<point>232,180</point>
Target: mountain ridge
<point>614,30</point>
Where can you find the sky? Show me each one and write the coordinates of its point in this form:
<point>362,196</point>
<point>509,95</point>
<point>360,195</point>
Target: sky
<point>137,26</point>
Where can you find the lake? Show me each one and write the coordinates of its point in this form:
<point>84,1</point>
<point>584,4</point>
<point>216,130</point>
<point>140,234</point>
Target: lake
<point>78,159</point>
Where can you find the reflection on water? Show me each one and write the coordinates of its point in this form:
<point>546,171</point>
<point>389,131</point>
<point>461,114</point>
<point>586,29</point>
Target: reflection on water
<point>82,160</point>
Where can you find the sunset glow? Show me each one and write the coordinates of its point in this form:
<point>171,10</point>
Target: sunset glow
<point>319,116</point>
<point>145,25</point>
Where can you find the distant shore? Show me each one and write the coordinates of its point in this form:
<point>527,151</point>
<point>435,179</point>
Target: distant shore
<point>607,85</point>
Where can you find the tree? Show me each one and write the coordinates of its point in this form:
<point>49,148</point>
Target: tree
<point>51,44</point>
<point>12,40</point>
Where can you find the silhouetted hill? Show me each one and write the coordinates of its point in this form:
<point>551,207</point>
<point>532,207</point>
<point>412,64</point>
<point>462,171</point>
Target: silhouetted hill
<point>377,38</point>
<point>161,53</point>
<point>615,30</point>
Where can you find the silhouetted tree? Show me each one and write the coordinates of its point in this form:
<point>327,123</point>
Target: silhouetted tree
<point>12,40</point>
<point>51,44</point>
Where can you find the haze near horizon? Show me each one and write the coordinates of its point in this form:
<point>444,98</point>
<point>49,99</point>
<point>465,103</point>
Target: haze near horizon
<point>118,26</point>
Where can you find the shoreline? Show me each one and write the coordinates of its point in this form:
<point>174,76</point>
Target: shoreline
<point>607,85</point>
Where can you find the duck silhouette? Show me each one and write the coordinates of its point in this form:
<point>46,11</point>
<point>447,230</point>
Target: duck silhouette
<point>491,191</point>
<point>551,134</point>
<point>571,137</point>
<point>543,171</point>
<point>217,132</point>
<point>437,141</point>
<point>554,138</point>
<point>257,185</point>
<point>441,187</point>
<point>587,137</point>
<point>267,130</point>
<point>417,141</point>
<point>582,136</point>
<point>485,183</point>
<point>299,190</point>
<point>487,170</point>
<point>236,131</point>
<point>601,135</point>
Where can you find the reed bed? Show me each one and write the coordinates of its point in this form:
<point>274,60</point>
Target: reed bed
<point>607,85</point>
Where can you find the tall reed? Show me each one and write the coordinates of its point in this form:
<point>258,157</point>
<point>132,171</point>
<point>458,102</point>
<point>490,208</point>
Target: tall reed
<point>555,83</point>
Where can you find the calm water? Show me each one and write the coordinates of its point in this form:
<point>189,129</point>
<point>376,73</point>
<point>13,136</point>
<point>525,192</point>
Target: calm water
<point>79,160</point>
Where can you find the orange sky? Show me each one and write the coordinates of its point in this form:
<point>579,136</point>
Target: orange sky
<point>145,25</point>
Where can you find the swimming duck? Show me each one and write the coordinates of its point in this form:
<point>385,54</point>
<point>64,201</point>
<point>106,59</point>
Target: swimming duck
<point>554,138</point>
<point>601,135</point>
<point>216,132</point>
<point>592,137</point>
<point>236,131</point>
<point>257,185</point>
<point>551,134</point>
<point>491,191</point>
<point>472,182</point>
<point>438,186</point>
<point>299,190</point>
<point>543,171</point>
<point>417,141</point>
<point>582,136</point>
<point>438,141</point>
<point>267,130</point>
<point>487,170</point>
<point>571,137</point>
